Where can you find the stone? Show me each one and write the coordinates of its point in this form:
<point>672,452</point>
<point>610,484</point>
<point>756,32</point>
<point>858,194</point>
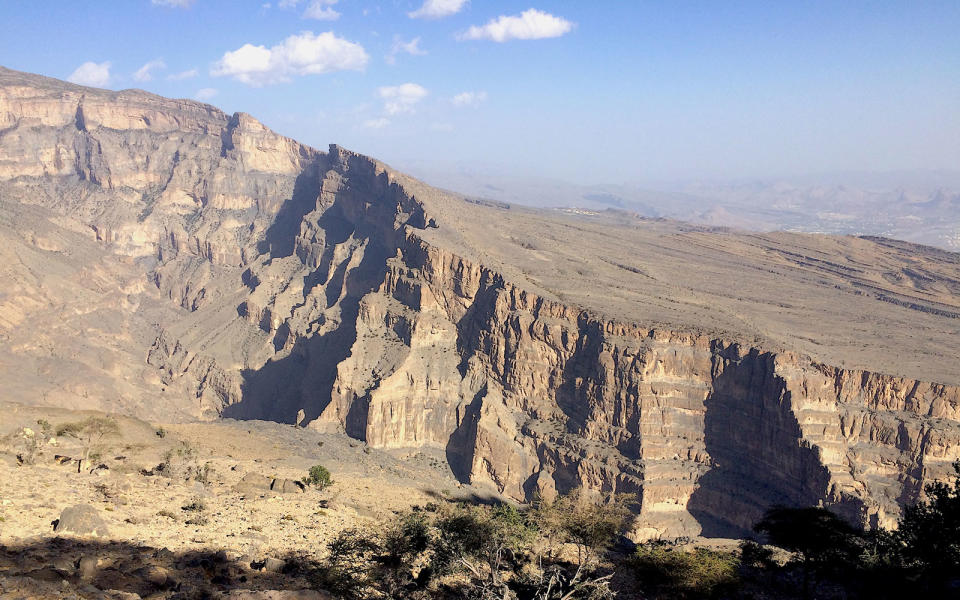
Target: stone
<point>156,576</point>
<point>287,486</point>
<point>81,519</point>
<point>273,565</point>
<point>253,483</point>
<point>87,567</point>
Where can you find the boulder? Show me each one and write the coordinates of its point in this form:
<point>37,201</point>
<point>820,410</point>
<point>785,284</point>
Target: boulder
<point>273,565</point>
<point>82,519</point>
<point>287,486</point>
<point>87,568</point>
<point>157,577</point>
<point>253,483</point>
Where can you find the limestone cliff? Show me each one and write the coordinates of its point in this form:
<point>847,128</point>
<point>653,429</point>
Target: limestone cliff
<point>169,260</point>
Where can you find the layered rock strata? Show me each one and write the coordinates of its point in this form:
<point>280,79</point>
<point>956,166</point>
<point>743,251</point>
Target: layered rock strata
<point>173,261</point>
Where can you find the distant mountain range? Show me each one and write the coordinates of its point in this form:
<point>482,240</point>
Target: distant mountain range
<point>917,207</point>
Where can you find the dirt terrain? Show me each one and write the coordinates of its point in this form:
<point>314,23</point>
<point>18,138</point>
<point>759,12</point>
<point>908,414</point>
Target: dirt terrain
<point>203,534</point>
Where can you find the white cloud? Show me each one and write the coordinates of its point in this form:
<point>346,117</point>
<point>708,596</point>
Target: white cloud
<point>531,24</point>
<point>287,3</point>
<point>321,10</point>
<point>301,54</point>
<point>91,73</point>
<point>204,94</point>
<point>400,99</point>
<point>376,123</point>
<point>189,74</point>
<point>436,9</point>
<point>144,74</point>
<point>399,46</point>
<point>172,3</point>
<point>473,99</point>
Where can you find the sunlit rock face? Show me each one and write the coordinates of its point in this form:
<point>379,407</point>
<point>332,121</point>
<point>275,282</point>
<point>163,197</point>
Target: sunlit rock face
<point>167,260</point>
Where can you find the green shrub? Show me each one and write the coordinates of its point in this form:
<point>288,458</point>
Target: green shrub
<point>319,477</point>
<point>677,572</point>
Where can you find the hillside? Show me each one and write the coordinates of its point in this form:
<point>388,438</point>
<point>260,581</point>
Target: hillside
<point>171,262</point>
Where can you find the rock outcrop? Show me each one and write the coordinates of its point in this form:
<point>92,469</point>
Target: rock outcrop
<point>168,259</point>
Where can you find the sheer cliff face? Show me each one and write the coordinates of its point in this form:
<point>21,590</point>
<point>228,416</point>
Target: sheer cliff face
<point>169,260</point>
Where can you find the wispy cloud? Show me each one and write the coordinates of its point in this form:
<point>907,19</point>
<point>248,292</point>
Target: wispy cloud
<point>188,74</point>
<point>204,94</point>
<point>321,10</point>
<point>401,47</point>
<point>301,54</point>
<point>172,3</point>
<point>473,99</point>
<point>402,98</point>
<point>531,24</point>
<point>91,73</point>
<point>437,9</point>
<point>376,123</point>
<point>144,72</point>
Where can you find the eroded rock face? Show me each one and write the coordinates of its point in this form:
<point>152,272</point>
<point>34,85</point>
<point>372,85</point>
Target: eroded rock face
<point>172,261</point>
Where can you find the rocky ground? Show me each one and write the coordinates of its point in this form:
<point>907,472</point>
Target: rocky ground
<point>205,524</point>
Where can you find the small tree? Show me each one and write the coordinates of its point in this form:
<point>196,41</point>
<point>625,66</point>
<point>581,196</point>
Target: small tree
<point>823,540</point>
<point>670,571</point>
<point>318,477</point>
<point>90,432</point>
<point>927,540</point>
<point>480,541</point>
<point>591,525</point>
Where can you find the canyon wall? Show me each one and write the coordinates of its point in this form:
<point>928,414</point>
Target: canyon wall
<point>263,278</point>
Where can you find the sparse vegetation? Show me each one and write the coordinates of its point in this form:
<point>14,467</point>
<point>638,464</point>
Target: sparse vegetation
<point>90,432</point>
<point>482,552</point>
<point>182,462</point>
<point>319,477</point>
<point>670,571</point>
<point>195,505</point>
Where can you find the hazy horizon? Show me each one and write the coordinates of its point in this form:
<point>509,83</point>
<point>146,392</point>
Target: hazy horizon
<point>587,93</point>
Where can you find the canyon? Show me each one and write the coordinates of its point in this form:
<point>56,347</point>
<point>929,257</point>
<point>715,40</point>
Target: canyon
<point>165,260</point>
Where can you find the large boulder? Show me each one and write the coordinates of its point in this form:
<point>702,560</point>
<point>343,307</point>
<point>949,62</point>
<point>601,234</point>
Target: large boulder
<point>287,486</point>
<point>82,519</point>
<point>253,483</point>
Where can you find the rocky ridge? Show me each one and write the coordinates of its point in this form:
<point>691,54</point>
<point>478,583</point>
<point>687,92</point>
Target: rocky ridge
<point>200,265</point>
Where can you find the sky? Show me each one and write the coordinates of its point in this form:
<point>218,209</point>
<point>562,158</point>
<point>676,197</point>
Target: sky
<point>604,91</point>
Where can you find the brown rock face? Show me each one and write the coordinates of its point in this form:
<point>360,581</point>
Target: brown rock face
<point>168,260</point>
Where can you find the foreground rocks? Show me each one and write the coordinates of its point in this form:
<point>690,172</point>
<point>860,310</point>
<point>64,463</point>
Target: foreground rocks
<point>127,572</point>
<point>81,519</point>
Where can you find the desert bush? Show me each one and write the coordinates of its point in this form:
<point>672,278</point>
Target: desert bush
<point>319,477</point>
<point>669,570</point>
<point>925,547</point>
<point>195,505</point>
<point>90,432</point>
<point>479,552</point>
<point>182,462</point>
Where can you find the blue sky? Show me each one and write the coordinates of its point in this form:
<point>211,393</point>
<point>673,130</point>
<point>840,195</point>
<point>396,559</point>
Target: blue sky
<point>590,92</point>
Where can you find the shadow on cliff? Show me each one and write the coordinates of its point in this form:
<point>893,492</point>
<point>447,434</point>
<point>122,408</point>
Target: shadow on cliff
<point>303,378</point>
<point>280,238</point>
<point>753,439</point>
